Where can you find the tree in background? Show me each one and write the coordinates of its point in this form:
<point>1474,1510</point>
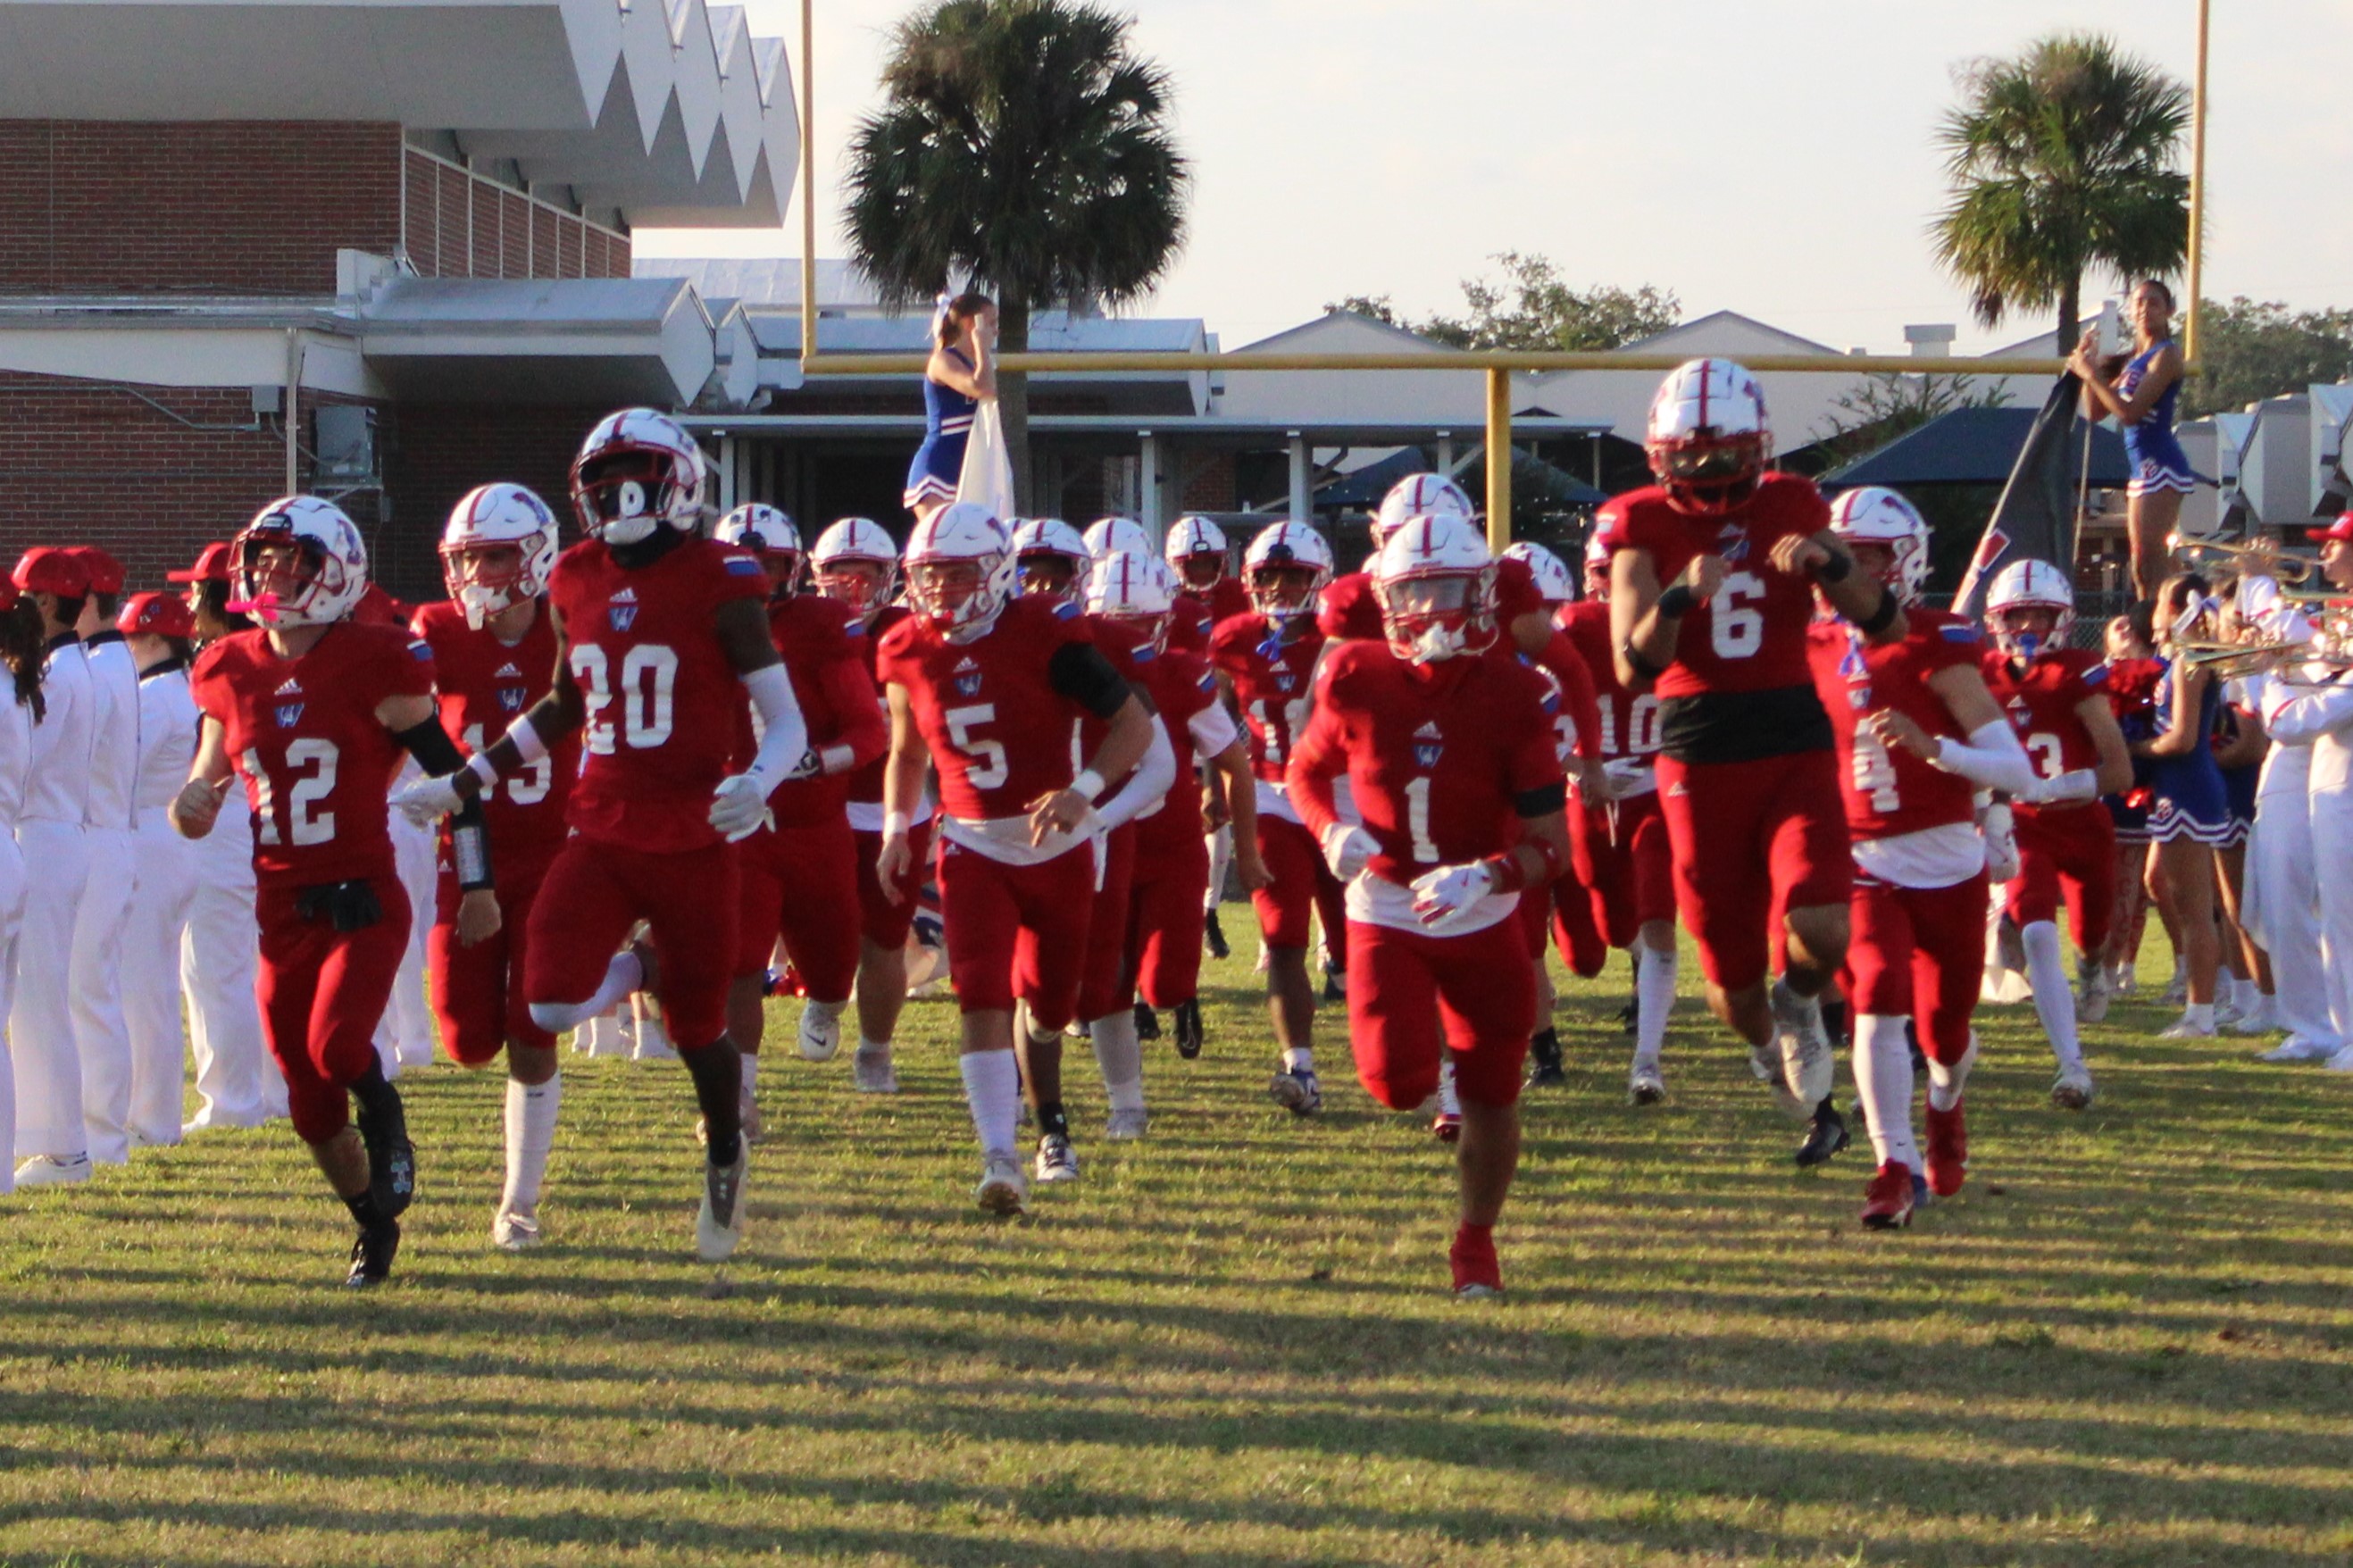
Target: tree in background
<point>2249,350</point>
<point>2062,160</point>
<point>1025,148</point>
<point>1530,307</point>
<point>1879,409</point>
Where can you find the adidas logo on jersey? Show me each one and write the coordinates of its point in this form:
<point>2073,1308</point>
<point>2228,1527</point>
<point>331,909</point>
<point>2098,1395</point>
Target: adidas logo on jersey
<point>508,673</point>
<point>293,688</point>
<point>1428,731</point>
<point>626,597</point>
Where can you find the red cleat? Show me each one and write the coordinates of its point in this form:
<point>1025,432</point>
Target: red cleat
<point>1447,1126</point>
<point>1477,1272</point>
<point>1947,1151</point>
<point>1887,1197</point>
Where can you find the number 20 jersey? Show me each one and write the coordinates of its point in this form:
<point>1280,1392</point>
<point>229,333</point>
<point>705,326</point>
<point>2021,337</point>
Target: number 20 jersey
<point>303,735</point>
<point>660,692</point>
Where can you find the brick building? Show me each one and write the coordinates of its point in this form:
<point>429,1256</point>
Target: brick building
<point>380,251</point>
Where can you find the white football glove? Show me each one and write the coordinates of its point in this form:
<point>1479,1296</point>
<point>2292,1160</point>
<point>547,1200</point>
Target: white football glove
<point>1347,850</point>
<point>2000,835</point>
<point>2074,788</point>
<point>427,801</point>
<point>1438,895</point>
<point>739,807</point>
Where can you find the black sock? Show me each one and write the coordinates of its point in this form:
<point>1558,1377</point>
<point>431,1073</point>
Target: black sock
<point>364,1211</point>
<point>1052,1121</point>
<point>1545,1046</point>
<point>1834,1024</point>
<point>717,1069</point>
<point>379,1100</point>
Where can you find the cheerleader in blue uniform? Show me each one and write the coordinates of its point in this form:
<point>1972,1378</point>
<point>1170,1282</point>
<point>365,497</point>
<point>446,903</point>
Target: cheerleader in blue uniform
<point>2141,395</point>
<point>960,378</point>
<point>2191,817</point>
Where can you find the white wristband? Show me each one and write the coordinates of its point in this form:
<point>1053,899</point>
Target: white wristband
<point>527,739</point>
<point>1089,783</point>
<point>479,765</point>
<point>894,825</point>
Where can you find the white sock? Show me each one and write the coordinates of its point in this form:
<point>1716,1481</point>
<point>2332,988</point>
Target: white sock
<point>624,976</point>
<point>2053,999</point>
<point>1449,1102</point>
<point>1946,1084</point>
<point>1654,995</point>
<point>992,1088</point>
<point>531,1132</point>
<point>871,1049</point>
<point>1883,1071</point>
<point>1298,1059</point>
<point>1120,1055</point>
<point>751,1066</point>
<point>1221,854</point>
<point>2199,1015</point>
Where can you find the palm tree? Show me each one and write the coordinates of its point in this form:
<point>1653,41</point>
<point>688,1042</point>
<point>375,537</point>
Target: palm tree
<point>1024,146</point>
<point>2060,162</point>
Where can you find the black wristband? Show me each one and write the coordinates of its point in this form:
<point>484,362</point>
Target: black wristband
<point>1880,619</point>
<point>1640,665</point>
<point>1835,569</point>
<point>1677,602</point>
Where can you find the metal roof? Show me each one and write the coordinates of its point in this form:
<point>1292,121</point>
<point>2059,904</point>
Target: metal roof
<point>1972,446</point>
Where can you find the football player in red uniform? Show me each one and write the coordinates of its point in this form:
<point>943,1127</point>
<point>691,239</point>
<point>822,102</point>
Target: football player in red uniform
<point>1265,663</point>
<point>1710,590</point>
<point>1208,592</point>
<point>987,684</point>
<point>1633,887</point>
<point>313,710</point>
<point>2056,699</point>
<point>660,633</point>
<point>1449,748</point>
<point>855,564</point>
<point>1918,736</point>
<point>494,647</point>
<point>800,870</point>
<point>1348,608</point>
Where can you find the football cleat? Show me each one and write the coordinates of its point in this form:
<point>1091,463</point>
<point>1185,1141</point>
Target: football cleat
<point>392,1158</point>
<point>514,1231</point>
<point>2072,1090</point>
<point>372,1255</point>
<point>1824,1138</point>
<point>1447,1126</point>
<point>1185,1018</point>
<point>1297,1090</point>
<point>719,1226</point>
<point>1147,1022</point>
<point>48,1170</point>
<point>1214,936</point>
<point>1887,1199</point>
<point>1764,1064</point>
<point>1807,1064</point>
<point>2091,992</point>
<point>1546,1072</point>
<point>2124,980</point>
<point>872,1071</point>
<point>1478,1273</point>
<point>1057,1161</point>
<point>1946,1148</point>
<point>1335,986</point>
<point>1645,1085</point>
<point>1003,1189</point>
<point>1127,1126</point>
<point>820,1034</point>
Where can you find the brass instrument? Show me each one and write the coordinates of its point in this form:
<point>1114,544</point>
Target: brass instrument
<point>2264,560</point>
<point>2229,661</point>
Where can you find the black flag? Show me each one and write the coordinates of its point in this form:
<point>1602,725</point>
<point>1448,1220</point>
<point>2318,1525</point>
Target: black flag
<point>2035,518</point>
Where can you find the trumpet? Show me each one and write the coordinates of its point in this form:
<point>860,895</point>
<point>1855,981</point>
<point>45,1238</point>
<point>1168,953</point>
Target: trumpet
<point>2264,559</point>
<point>2229,660</point>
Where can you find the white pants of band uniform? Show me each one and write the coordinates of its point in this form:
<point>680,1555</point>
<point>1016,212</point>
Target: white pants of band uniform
<point>2332,848</point>
<point>219,954</point>
<point>404,1035</point>
<point>2281,902</point>
<point>100,1035</point>
<point>11,913</point>
<point>151,977</point>
<point>41,1019</point>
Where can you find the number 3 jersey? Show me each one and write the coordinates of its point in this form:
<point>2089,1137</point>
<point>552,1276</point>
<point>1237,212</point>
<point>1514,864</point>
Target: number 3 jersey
<point>659,693</point>
<point>304,736</point>
<point>484,686</point>
<point>1890,793</point>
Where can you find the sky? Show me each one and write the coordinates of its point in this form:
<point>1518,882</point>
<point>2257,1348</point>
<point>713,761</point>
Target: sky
<point>1772,158</point>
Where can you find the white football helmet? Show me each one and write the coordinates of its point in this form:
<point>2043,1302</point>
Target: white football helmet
<point>1418,495</point>
<point>1708,438</point>
<point>489,517</point>
<point>1550,570</point>
<point>768,533</point>
<point>1133,588</point>
<point>1116,535</point>
<point>1874,514</point>
<point>1436,586</point>
<point>856,541</point>
<point>1050,536</point>
<point>319,585</point>
<point>1196,542</point>
<point>960,571</point>
<point>1596,562</point>
<point>638,470</point>
<point>1286,566</point>
<point>2029,585</point>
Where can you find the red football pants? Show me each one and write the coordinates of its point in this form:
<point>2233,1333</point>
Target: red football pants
<point>1017,930</point>
<point>2070,850</point>
<point>1405,987</point>
<point>1164,918</point>
<point>596,892</point>
<point>1918,953</point>
<point>1750,842</point>
<point>1633,868</point>
<point>322,993</point>
<point>1102,985</point>
<point>883,920</point>
<point>1299,885</point>
<point>800,883</point>
<point>478,991</point>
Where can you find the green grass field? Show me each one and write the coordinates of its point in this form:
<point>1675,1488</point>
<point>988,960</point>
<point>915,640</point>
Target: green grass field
<point>2129,1342</point>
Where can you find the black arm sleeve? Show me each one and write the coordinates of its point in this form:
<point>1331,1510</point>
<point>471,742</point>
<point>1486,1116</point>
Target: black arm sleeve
<point>468,843</point>
<point>1079,671</point>
<point>1542,801</point>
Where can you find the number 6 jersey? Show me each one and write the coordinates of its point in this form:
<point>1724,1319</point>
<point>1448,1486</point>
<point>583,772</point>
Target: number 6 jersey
<point>303,735</point>
<point>659,690</point>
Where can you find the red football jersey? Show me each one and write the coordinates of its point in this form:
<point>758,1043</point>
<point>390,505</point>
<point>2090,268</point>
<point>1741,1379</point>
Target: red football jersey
<point>1436,754</point>
<point>2042,705</point>
<point>999,733</point>
<point>1751,637</point>
<point>1629,720</point>
<point>661,695</point>
<point>1892,793</point>
<point>1181,688</point>
<point>1271,681</point>
<point>484,686</point>
<point>1193,617</point>
<point>2131,687</point>
<point>817,638</point>
<point>1348,609</point>
<point>866,784</point>
<point>303,735</point>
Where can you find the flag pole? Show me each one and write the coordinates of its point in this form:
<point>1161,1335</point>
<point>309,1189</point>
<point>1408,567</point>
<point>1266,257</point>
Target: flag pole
<point>2197,268</point>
